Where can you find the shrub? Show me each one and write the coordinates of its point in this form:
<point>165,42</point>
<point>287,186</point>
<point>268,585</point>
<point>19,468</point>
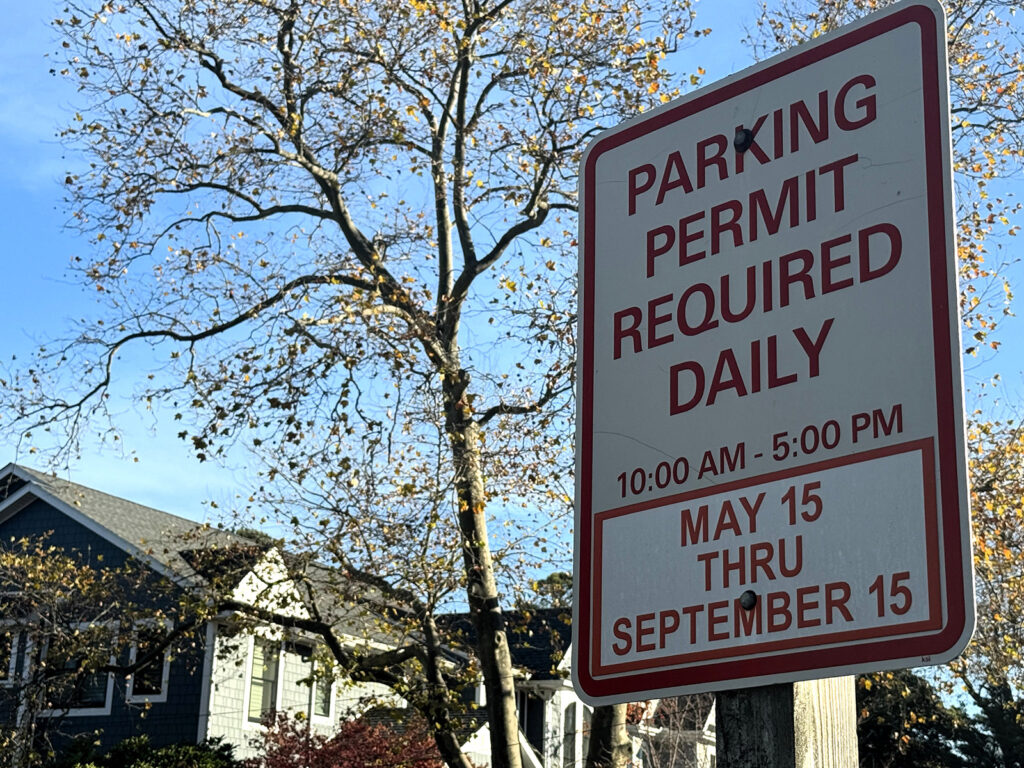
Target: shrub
<point>289,743</point>
<point>137,752</point>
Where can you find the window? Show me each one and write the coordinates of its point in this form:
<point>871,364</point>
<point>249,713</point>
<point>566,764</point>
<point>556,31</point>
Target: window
<point>89,691</point>
<point>78,686</point>
<point>149,683</point>
<point>531,718</point>
<point>8,655</point>
<point>588,715</point>
<point>263,680</point>
<point>569,737</point>
<point>322,697</point>
<point>322,688</point>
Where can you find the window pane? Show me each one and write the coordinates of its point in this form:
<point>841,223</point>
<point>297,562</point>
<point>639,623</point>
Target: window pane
<point>569,737</point>
<point>587,717</point>
<point>321,687</point>
<point>90,691</point>
<point>322,698</point>
<point>256,700</point>
<point>6,648</point>
<point>75,686</point>
<point>149,680</point>
<point>263,681</point>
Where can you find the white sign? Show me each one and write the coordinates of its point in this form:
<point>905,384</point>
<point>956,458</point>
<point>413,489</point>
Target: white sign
<point>770,454</point>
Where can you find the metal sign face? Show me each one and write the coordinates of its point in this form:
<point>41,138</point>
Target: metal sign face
<point>770,450</point>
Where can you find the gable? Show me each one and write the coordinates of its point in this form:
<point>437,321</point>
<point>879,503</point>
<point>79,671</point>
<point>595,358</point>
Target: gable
<point>36,517</point>
<point>149,535</point>
<point>269,587</point>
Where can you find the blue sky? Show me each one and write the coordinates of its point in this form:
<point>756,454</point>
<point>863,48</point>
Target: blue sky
<point>39,300</point>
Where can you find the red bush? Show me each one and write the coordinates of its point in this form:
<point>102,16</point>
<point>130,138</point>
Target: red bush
<point>290,743</point>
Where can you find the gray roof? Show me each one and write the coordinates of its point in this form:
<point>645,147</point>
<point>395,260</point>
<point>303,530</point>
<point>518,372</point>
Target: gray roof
<point>197,553</point>
<point>146,531</point>
<point>538,638</point>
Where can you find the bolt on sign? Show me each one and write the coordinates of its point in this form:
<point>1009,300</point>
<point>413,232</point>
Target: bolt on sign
<point>771,461</point>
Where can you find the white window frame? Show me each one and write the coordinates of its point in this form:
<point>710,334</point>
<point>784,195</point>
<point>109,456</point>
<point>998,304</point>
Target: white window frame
<point>108,700</point>
<point>306,651</point>
<point>145,698</point>
<point>252,725</point>
<point>329,718</point>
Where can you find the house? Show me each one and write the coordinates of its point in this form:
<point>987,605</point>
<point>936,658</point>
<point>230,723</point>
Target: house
<point>555,724</point>
<point>223,679</point>
<point>224,676</point>
<point>552,720</point>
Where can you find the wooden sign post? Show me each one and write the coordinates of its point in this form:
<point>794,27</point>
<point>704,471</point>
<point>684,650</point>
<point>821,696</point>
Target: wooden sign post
<point>809,724</point>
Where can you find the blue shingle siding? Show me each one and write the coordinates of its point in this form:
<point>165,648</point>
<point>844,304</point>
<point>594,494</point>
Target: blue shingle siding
<point>40,518</point>
<point>173,721</point>
<point>165,722</point>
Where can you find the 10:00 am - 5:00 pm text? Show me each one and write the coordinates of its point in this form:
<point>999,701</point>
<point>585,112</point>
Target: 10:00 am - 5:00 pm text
<point>807,440</point>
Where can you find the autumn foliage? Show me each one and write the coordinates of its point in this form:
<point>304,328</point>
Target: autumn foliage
<point>289,743</point>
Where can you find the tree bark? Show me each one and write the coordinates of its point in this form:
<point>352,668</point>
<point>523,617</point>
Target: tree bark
<point>438,705</point>
<point>610,745</point>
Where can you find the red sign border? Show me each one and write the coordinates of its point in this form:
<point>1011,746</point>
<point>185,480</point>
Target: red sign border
<point>948,417</point>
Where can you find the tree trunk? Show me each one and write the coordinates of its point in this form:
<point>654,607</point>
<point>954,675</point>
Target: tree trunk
<point>448,747</point>
<point>438,703</point>
<point>481,586</point>
<point>610,745</point>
